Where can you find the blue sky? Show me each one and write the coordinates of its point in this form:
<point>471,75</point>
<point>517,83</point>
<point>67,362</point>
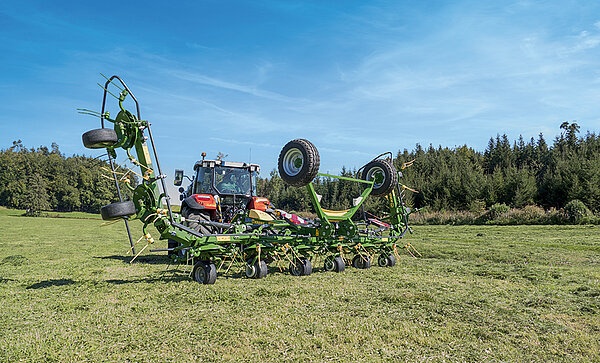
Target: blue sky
<point>357,78</point>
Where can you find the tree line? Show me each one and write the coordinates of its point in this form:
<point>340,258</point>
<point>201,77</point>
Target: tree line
<point>44,179</point>
<point>514,173</point>
<point>517,174</point>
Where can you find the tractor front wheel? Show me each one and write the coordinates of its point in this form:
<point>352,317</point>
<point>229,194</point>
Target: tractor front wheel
<point>194,218</point>
<point>118,210</point>
<point>99,138</point>
<point>205,272</point>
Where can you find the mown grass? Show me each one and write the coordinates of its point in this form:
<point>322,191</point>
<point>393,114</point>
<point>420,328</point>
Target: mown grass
<point>479,293</point>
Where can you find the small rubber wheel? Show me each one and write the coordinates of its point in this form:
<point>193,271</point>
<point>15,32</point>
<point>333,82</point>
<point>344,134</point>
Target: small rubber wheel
<point>256,270</point>
<point>335,264</point>
<point>117,210</point>
<point>172,244</point>
<point>362,262</point>
<point>205,272</point>
<point>99,138</point>
<point>383,174</point>
<point>301,267</point>
<point>298,162</point>
<point>386,260</point>
<point>194,216</point>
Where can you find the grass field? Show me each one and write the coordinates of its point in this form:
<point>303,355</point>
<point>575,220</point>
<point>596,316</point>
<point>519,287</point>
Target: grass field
<point>479,293</point>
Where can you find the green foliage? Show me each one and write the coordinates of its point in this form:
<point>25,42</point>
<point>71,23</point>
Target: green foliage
<point>497,210</point>
<point>577,212</point>
<point>41,179</point>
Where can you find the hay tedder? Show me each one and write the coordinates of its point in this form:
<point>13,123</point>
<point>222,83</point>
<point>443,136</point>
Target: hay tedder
<point>224,224</point>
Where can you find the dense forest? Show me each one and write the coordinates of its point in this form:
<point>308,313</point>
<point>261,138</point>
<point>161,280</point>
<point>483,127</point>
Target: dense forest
<point>516,174</point>
<point>44,179</point>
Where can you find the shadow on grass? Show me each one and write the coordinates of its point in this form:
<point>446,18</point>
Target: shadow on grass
<point>151,260</point>
<point>51,282</point>
<point>149,280</point>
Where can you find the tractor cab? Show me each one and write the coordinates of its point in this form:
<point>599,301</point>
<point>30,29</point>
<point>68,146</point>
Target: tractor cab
<point>225,178</point>
<point>219,191</point>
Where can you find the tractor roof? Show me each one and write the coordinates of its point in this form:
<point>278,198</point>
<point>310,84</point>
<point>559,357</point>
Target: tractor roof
<point>229,164</point>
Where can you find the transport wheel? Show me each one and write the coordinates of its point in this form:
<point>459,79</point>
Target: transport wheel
<point>335,264</point>
<point>117,210</point>
<point>298,162</point>
<point>99,138</point>
<point>359,262</point>
<point>205,272</point>
<point>193,216</point>
<point>384,175</point>
<point>301,267</point>
<point>386,260</point>
<point>256,270</point>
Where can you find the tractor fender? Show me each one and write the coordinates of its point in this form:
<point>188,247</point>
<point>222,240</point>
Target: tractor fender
<point>200,201</point>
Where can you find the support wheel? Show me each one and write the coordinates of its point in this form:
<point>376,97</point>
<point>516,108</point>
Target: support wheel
<point>205,272</point>
<point>335,264</point>
<point>256,270</point>
<point>99,138</point>
<point>193,219</point>
<point>363,262</point>
<point>386,260</point>
<point>301,267</point>
<point>172,244</point>
<point>118,210</point>
<point>383,174</point>
<point>298,162</point>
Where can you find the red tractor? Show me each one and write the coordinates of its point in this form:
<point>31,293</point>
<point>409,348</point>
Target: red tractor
<point>221,192</point>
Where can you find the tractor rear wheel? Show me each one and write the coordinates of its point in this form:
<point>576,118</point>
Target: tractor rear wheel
<point>383,174</point>
<point>362,262</point>
<point>205,272</point>
<point>117,210</point>
<point>301,267</point>
<point>335,264</point>
<point>194,216</point>
<point>298,162</point>
<point>99,138</point>
<point>386,260</point>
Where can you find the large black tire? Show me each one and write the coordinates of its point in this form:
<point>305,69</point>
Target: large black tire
<point>386,260</point>
<point>298,162</point>
<point>383,173</point>
<point>362,262</point>
<point>335,264</point>
<point>301,267</point>
<point>99,138</point>
<point>117,210</point>
<point>205,272</point>
<point>256,270</point>
<point>193,216</point>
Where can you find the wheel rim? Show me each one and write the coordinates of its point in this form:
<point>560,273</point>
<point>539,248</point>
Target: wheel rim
<point>200,274</point>
<point>250,271</point>
<point>293,160</point>
<point>298,268</point>
<point>329,264</point>
<point>383,261</point>
<point>377,175</point>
